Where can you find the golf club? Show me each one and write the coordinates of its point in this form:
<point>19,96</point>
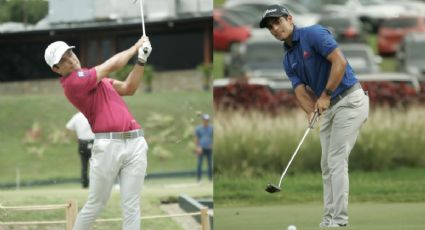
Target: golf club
<point>145,50</point>
<point>273,188</point>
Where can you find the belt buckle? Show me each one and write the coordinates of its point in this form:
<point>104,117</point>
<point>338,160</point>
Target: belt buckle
<point>127,135</point>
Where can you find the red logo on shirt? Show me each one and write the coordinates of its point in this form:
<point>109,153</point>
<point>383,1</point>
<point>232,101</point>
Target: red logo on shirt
<point>306,54</point>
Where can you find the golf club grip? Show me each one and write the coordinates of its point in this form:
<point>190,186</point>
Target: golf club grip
<point>314,119</point>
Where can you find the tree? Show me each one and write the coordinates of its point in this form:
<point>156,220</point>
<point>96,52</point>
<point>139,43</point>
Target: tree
<point>25,11</point>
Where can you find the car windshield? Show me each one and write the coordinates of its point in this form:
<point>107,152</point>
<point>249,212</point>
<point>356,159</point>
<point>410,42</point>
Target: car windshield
<point>258,8</point>
<point>264,55</point>
<point>244,16</point>
<point>416,50</point>
<point>371,2</point>
<point>296,9</point>
<point>399,23</point>
<point>334,2</point>
<point>233,21</point>
<point>358,59</point>
<point>335,22</point>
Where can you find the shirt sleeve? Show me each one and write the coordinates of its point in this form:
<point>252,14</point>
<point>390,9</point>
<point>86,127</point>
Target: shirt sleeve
<point>295,80</point>
<point>321,40</point>
<point>85,80</point>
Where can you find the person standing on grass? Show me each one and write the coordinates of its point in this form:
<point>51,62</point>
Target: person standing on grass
<point>323,81</point>
<point>203,142</point>
<point>81,127</point>
<point>119,149</point>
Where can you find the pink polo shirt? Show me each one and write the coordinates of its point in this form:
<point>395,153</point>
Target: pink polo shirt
<point>99,102</point>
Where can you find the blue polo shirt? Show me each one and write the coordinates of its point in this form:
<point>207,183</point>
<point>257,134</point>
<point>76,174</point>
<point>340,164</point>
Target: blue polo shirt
<point>205,136</point>
<point>305,62</point>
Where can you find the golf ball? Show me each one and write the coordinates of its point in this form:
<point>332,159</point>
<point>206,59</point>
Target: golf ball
<point>292,227</point>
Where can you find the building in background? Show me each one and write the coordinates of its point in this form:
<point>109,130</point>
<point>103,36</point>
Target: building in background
<point>180,31</point>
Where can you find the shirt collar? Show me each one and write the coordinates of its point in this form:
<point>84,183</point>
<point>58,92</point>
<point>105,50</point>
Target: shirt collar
<point>295,39</point>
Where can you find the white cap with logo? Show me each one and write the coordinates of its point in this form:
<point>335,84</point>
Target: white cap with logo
<point>55,51</point>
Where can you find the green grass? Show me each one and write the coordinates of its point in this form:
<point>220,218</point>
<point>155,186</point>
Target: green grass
<point>218,3</point>
<point>401,185</point>
<point>363,216</point>
<point>168,118</point>
<point>218,66</point>
<point>153,193</point>
<point>253,143</point>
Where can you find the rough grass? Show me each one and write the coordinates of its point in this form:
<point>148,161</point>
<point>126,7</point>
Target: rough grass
<point>253,143</point>
<point>168,118</point>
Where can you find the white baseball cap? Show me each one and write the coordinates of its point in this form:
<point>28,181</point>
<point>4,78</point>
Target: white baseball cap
<point>205,116</point>
<point>55,51</point>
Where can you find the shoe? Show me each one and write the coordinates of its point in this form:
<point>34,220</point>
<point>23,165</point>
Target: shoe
<point>335,225</point>
<point>327,224</point>
<point>324,224</point>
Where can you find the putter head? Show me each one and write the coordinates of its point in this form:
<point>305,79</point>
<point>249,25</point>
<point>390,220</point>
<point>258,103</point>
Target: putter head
<point>272,188</point>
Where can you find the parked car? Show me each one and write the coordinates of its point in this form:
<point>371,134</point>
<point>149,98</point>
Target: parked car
<point>344,28</point>
<point>259,57</point>
<point>361,58</point>
<point>392,32</point>
<point>411,55</point>
<point>392,89</point>
<point>370,12</point>
<point>302,16</point>
<point>227,30</point>
<point>245,16</point>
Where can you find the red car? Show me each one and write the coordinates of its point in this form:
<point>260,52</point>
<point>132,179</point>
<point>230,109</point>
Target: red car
<point>228,30</point>
<point>392,32</point>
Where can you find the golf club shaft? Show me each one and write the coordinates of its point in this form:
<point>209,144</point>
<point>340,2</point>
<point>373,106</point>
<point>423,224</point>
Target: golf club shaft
<point>143,17</point>
<point>311,126</point>
<point>293,155</point>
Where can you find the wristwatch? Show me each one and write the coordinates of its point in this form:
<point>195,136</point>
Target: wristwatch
<point>328,92</point>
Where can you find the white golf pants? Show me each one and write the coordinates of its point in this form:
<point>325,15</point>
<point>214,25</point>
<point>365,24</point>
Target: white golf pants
<point>339,129</point>
<point>126,160</point>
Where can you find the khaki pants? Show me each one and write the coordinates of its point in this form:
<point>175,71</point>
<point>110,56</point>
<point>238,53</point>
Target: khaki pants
<point>339,129</point>
<point>111,159</point>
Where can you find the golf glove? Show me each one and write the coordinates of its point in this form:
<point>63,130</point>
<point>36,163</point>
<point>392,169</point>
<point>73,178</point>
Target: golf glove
<point>144,52</point>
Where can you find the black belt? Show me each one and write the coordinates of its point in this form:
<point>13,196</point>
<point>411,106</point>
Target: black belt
<point>340,96</point>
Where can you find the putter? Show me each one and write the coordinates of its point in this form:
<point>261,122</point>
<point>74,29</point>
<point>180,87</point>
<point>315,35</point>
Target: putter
<point>145,50</point>
<point>273,188</point>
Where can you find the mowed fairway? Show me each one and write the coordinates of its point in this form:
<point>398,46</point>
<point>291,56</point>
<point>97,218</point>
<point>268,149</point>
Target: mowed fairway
<point>363,216</point>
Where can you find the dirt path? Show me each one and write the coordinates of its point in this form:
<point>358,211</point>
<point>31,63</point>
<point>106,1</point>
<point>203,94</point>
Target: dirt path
<point>187,222</point>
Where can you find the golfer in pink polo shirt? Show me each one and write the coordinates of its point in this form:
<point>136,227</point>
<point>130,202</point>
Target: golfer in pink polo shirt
<point>119,149</point>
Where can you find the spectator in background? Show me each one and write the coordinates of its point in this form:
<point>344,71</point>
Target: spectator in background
<point>203,141</point>
<point>81,127</point>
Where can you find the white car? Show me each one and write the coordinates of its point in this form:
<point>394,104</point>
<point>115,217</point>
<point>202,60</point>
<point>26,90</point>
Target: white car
<point>411,55</point>
<point>260,57</point>
<point>302,16</point>
<point>370,12</point>
<point>361,58</point>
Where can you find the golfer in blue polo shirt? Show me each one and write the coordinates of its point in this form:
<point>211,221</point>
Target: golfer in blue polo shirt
<point>323,81</point>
